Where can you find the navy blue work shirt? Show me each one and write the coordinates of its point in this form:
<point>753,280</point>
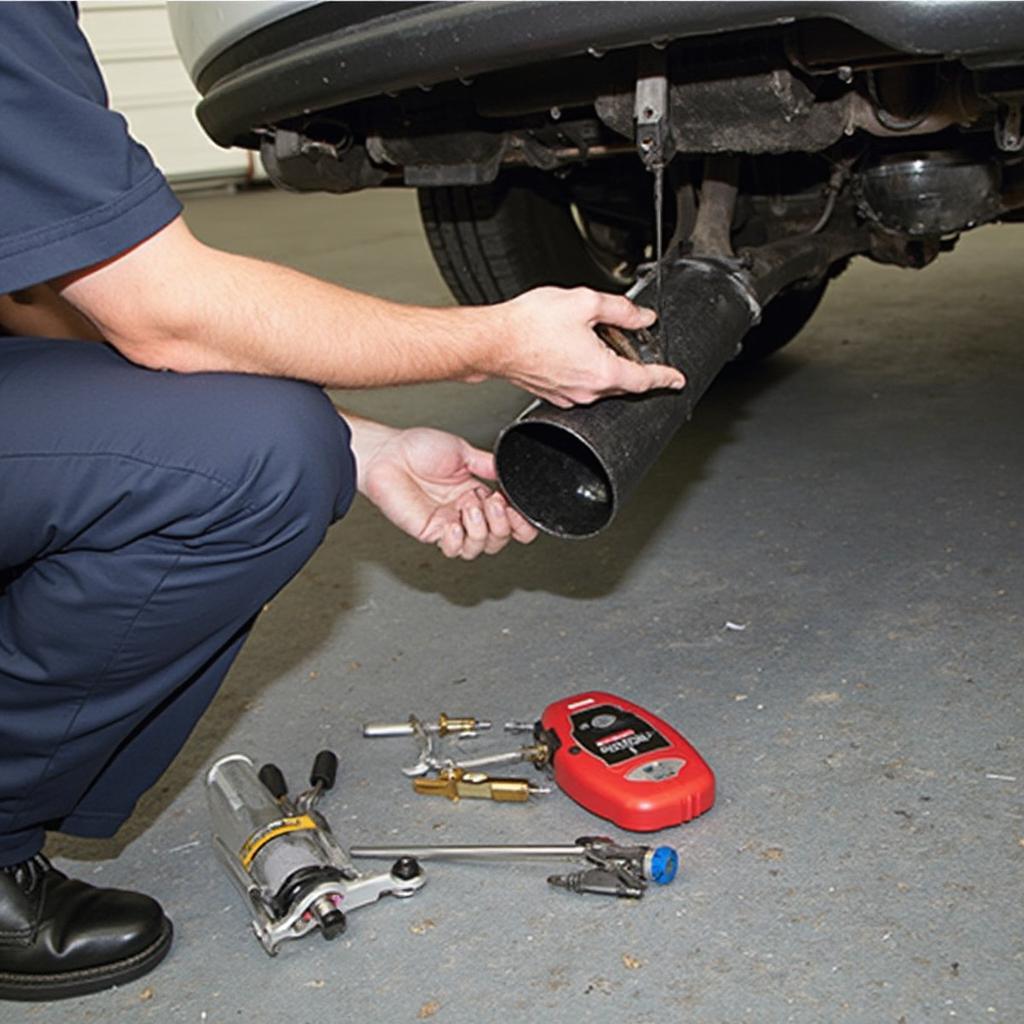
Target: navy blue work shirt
<point>75,188</point>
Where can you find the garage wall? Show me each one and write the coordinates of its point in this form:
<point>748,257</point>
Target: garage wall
<point>148,84</point>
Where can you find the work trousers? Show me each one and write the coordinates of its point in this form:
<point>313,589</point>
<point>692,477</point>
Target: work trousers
<point>145,519</point>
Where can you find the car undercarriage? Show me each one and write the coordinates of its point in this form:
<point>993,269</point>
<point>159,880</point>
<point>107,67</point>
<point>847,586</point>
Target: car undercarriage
<point>622,145</point>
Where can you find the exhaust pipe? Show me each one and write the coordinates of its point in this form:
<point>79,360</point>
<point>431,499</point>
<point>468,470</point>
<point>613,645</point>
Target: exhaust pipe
<point>568,471</point>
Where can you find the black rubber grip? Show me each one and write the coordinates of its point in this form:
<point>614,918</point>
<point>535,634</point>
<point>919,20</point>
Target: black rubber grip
<point>273,778</point>
<point>325,769</point>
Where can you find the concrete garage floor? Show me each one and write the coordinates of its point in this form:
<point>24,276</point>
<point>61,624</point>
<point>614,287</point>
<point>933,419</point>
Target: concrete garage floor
<point>857,505</point>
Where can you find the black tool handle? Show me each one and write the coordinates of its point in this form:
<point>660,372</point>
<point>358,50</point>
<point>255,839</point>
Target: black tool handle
<point>273,778</point>
<point>325,769</point>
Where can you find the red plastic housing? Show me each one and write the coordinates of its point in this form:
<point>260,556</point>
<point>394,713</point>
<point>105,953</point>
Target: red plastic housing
<point>622,763</point>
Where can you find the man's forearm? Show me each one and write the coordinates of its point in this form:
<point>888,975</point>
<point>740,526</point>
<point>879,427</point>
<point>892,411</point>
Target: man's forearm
<point>183,306</point>
<point>174,303</point>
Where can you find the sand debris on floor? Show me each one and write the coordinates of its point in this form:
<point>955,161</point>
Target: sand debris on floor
<point>824,697</point>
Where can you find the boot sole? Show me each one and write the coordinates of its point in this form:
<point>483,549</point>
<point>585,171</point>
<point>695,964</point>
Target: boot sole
<point>68,984</point>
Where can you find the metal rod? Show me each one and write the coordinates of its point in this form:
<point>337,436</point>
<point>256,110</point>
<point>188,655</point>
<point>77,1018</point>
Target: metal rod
<point>375,730</point>
<point>485,760</point>
<point>467,852</point>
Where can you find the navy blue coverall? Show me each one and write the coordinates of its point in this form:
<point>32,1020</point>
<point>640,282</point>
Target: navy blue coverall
<point>145,517</point>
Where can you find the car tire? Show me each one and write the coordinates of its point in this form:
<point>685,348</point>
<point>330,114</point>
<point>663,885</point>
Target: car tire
<point>781,321</point>
<point>492,242</point>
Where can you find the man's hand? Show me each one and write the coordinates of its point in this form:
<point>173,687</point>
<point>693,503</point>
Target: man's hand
<point>428,483</point>
<point>40,312</point>
<point>554,353</point>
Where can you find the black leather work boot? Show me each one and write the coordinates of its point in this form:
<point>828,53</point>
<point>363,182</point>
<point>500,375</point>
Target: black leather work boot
<point>61,938</point>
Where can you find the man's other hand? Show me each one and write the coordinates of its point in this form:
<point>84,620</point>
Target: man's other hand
<point>429,484</point>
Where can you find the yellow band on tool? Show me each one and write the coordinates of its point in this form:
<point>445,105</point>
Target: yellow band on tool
<point>256,842</point>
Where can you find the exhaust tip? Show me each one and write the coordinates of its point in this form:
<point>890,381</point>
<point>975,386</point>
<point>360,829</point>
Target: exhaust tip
<point>555,479</point>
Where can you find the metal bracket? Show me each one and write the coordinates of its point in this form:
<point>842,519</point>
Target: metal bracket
<point>1009,131</point>
<point>651,110</point>
<point>653,138</point>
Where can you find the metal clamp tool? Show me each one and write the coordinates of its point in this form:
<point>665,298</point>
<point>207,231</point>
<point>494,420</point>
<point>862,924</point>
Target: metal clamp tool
<point>458,778</point>
<point>425,734</point>
<point>616,870</point>
<point>283,857</point>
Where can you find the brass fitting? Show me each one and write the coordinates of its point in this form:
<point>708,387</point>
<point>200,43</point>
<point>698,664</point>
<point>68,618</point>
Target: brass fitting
<point>456,783</point>
<point>446,725</point>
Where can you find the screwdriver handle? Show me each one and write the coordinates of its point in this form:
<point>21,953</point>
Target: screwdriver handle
<point>325,769</point>
<point>273,778</point>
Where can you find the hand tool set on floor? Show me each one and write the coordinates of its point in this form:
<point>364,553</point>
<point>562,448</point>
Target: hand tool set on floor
<point>611,756</point>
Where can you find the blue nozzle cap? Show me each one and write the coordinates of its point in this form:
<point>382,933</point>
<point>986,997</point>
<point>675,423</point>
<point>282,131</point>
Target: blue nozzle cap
<point>662,864</point>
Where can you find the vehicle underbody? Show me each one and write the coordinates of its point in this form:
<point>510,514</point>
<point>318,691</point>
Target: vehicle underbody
<point>773,155</point>
<point>808,125</point>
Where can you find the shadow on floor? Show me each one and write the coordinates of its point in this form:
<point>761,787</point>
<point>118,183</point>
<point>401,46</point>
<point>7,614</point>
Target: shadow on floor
<point>583,571</point>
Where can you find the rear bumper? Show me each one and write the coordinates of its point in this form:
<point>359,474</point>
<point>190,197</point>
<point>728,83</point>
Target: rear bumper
<point>332,54</point>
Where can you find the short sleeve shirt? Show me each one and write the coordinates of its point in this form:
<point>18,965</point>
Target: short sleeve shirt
<point>75,188</point>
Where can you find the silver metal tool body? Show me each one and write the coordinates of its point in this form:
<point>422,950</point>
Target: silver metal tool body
<point>536,753</point>
<point>283,857</point>
<point>561,851</point>
<point>615,869</point>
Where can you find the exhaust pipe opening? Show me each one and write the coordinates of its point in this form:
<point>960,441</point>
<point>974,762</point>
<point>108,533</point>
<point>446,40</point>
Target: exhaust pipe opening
<point>554,478</point>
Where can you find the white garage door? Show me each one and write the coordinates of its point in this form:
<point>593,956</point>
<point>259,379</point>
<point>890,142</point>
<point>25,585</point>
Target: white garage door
<point>148,84</point>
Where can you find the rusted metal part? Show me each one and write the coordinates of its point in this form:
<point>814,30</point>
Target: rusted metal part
<point>956,103</point>
<point>766,112</point>
<point>642,346</point>
<point>771,268</point>
<point>712,231</point>
<point>1013,188</point>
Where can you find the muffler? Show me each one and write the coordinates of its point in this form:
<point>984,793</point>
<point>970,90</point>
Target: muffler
<point>568,471</point>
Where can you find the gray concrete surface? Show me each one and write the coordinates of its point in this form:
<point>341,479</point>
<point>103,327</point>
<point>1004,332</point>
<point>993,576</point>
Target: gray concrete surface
<point>856,506</point>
